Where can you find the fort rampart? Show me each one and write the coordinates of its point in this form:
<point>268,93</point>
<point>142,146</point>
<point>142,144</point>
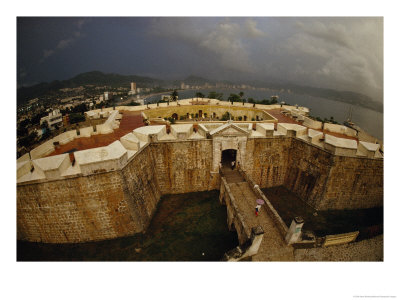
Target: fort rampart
<point>113,191</point>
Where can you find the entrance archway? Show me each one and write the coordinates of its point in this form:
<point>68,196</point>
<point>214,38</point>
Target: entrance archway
<point>227,157</point>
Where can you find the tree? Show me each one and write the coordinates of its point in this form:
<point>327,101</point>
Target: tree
<point>22,131</point>
<point>28,140</point>
<point>265,102</point>
<point>200,95</point>
<point>251,100</point>
<point>174,95</point>
<point>234,98</point>
<point>225,116</point>
<point>215,95</point>
<point>76,118</point>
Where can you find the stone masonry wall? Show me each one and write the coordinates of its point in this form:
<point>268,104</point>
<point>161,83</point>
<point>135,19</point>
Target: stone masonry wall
<point>184,166</point>
<point>326,181</point>
<point>308,171</point>
<point>122,202</point>
<point>267,160</point>
<point>354,183</point>
<point>88,208</point>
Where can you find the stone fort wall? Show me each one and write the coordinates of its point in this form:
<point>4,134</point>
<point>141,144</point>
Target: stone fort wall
<point>320,178</point>
<point>109,204</point>
<point>85,208</point>
<point>113,204</point>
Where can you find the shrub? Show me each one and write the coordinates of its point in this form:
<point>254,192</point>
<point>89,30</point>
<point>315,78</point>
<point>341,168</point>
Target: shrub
<point>76,118</point>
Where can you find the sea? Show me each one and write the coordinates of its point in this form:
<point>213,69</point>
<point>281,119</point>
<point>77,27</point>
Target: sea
<point>369,120</point>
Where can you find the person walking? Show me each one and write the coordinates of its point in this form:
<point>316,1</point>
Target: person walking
<point>233,164</point>
<point>258,208</point>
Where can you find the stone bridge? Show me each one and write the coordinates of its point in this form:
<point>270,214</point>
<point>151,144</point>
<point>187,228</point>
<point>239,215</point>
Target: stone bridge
<point>262,237</point>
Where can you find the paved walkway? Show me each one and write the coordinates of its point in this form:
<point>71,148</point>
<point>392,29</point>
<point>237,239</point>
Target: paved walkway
<point>273,247</point>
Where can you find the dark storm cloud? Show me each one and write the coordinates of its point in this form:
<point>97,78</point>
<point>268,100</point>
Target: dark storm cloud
<point>339,53</point>
<point>64,43</point>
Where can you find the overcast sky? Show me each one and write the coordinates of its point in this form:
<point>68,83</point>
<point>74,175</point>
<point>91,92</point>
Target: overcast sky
<point>340,53</point>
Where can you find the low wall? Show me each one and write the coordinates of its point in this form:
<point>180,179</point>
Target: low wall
<point>282,228</point>
<point>218,110</point>
<point>340,129</point>
<point>42,150</point>
<point>312,123</point>
<point>65,137</point>
<point>48,147</point>
<point>235,219</point>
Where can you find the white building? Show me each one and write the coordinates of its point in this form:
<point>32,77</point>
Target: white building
<point>107,96</point>
<point>53,119</point>
<point>133,90</point>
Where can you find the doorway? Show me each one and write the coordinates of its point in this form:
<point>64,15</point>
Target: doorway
<point>227,157</point>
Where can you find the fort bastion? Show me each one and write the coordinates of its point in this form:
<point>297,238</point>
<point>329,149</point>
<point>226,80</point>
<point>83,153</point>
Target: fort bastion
<point>113,191</point>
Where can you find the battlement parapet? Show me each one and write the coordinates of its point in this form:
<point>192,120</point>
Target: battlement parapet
<point>103,159</point>
<point>291,130</point>
<point>340,146</point>
<point>116,155</point>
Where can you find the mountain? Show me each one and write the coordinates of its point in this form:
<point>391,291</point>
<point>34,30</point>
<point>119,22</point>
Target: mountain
<point>90,78</point>
<point>98,78</point>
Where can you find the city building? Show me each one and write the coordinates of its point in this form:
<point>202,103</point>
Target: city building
<point>107,96</point>
<point>54,119</point>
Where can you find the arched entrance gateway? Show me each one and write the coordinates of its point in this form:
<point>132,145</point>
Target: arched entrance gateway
<point>227,157</point>
<point>229,143</point>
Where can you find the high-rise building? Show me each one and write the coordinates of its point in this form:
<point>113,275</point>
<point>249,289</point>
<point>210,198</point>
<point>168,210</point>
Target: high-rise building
<point>133,86</point>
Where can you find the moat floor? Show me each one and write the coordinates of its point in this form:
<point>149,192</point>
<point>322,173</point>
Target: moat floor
<point>368,221</point>
<point>186,227</point>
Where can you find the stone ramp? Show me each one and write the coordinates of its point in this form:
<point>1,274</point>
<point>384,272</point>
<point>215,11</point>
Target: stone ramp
<point>273,246</point>
<point>232,176</point>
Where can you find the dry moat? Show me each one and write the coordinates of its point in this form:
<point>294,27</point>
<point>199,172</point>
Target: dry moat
<point>184,227</point>
<point>369,221</point>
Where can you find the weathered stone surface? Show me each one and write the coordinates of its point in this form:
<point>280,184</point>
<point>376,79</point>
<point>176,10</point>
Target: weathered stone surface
<point>267,160</point>
<point>119,202</point>
<point>86,208</point>
<point>326,181</point>
<point>184,166</point>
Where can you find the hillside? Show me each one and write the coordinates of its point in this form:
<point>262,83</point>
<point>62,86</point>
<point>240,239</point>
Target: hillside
<point>90,78</point>
<point>98,78</point>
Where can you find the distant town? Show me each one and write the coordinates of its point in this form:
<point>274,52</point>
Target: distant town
<point>42,117</point>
